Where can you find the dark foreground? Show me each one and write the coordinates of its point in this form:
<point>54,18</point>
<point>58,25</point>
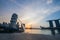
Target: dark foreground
<point>27,36</point>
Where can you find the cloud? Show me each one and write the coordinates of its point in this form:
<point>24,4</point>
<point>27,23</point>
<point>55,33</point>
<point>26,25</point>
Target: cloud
<point>34,12</point>
<point>49,1</point>
<point>32,16</point>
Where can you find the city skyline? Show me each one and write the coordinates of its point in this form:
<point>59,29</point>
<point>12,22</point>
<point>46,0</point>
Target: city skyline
<point>30,12</point>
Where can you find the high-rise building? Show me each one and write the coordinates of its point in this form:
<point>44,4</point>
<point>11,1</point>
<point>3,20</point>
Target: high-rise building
<point>13,21</point>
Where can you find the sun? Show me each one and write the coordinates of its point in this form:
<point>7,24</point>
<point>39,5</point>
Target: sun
<point>28,26</point>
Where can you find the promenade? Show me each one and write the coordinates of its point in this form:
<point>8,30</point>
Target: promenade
<point>27,36</point>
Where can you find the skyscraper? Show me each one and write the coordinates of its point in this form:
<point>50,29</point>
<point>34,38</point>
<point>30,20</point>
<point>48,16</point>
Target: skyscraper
<point>13,21</point>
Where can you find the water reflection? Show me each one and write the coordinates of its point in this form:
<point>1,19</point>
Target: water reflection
<point>28,31</point>
<point>33,31</point>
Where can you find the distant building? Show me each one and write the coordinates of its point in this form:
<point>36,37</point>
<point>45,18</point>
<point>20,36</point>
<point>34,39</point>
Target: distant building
<point>17,25</point>
<point>13,25</point>
<point>23,26</point>
<point>13,21</point>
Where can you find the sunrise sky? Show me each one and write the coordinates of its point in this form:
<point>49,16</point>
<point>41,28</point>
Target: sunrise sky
<point>30,12</point>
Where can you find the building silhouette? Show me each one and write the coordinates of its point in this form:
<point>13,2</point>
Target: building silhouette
<point>13,26</point>
<point>13,21</point>
<point>51,26</point>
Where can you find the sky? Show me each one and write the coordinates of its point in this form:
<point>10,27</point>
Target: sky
<point>30,12</point>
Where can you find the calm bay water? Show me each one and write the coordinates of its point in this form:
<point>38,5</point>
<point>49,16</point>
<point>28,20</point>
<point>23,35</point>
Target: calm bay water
<point>29,34</point>
<point>33,31</point>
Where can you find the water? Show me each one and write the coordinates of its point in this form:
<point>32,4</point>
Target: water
<point>33,31</point>
<point>32,35</point>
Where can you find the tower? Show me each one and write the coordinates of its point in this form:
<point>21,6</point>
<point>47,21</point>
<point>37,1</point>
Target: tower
<point>51,26</point>
<point>13,21</point>
<point>57,25</point>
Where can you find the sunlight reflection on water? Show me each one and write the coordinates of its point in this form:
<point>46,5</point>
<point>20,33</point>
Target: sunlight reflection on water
<point>32,31</point>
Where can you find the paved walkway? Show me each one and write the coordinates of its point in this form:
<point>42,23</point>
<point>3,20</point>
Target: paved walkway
<point>22,36</point>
